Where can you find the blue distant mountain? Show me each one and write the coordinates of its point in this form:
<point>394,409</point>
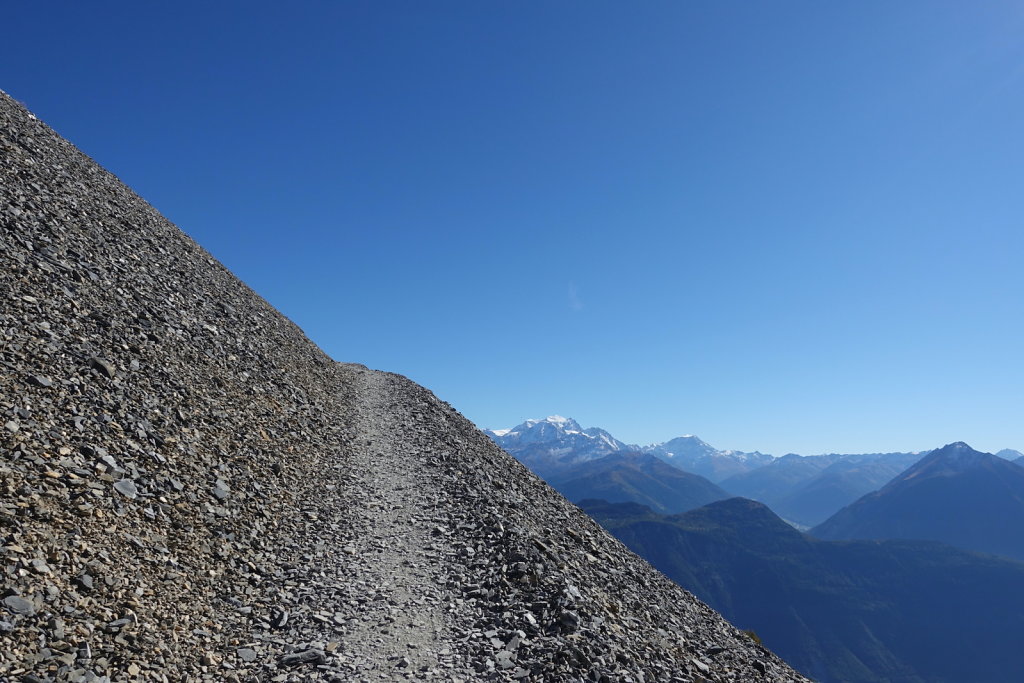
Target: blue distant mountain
<point>850,611</point>
<point>804,490</point>
<point>639,478</point>
<point>693,455</point>
<point>550,445</point>
<point>955,494</point>
<point>807,490</point>
<point>556,443</point>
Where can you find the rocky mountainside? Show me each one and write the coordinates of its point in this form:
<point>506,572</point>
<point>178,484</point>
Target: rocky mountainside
<point>853,611</point>
<point>192,490</point>
<point>954,494</point>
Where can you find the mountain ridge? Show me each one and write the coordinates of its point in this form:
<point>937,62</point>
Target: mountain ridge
<point>805,490</point>
<point>956,495</point>
<point>639,477</point>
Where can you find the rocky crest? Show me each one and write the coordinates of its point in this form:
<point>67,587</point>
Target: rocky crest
<point>191,490</point>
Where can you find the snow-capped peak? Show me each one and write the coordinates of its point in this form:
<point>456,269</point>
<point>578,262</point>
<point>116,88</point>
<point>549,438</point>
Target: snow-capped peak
<point>551,419</point>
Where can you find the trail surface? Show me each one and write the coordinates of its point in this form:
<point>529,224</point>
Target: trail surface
<point>399,630</point>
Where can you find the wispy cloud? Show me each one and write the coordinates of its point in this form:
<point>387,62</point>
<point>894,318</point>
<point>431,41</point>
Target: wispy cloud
<point>575,303</point>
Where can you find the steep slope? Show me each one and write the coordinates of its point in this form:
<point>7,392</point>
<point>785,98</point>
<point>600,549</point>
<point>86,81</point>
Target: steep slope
<point>640,478</point>
<point>191,490</point>
<point>907,611</point>
<point>164,428</point>
<point>954,494</point>
<point>693,455</point>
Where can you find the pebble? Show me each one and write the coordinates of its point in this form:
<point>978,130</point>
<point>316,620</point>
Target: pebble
<point>311,656</point>
<point>19,605</point>
<point>127,488</point>
<point>104,366</point>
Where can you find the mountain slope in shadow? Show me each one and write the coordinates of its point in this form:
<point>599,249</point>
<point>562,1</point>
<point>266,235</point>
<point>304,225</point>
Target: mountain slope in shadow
<point>955,494</point>
<point>867,611</point>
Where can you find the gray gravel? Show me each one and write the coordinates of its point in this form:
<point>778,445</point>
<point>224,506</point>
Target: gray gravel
<point>191,490</point>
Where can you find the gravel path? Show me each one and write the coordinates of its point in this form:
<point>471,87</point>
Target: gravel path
<point>399,632</point>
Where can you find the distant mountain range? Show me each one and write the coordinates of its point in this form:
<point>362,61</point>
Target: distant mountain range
<point>693,455</point>
<point>803,490</point>
<point>556,443</point>
<point>807,490</point>
<point>911,608</point>
<point>954,494</point>
<point>859,611</point>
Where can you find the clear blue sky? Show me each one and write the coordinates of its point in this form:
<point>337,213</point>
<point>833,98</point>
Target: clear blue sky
<point>785,226</point>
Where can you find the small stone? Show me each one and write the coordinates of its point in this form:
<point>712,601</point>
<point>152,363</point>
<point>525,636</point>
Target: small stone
<point>119,623</point>
<point>19,605</point>
<point>569,620</point>
<point>127,488</point>
<point>104,366</point>
<point>12,426</point>
<point>40,381</point>
<point>246,654</point>
<point>504,659</point>
<point>221,490</point>
<point>310,656</point>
